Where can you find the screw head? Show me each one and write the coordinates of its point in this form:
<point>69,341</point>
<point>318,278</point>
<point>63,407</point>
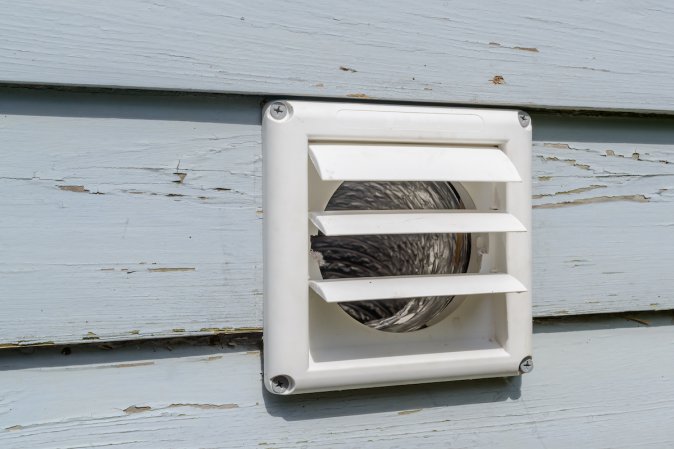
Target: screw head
<point>279,384</point>
<point>278,110</point>
<point>526,365</point>
<point>524,118</point>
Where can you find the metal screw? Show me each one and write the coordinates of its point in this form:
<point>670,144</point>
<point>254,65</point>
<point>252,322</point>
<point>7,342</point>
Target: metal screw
<point>280,384</point>
<point>526,365</point>
<point>278,110</point>
<point>524,118</point>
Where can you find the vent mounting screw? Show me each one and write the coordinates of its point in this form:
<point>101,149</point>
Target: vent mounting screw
<point>524,118</point>
<point>526,365</point>
<point>278,110</point>
<point>280,384</point>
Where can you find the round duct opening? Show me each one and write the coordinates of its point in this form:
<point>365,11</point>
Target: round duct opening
<point>395,255</point>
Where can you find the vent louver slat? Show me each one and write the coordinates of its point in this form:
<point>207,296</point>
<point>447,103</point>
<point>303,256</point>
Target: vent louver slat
<point>413,222</point>
<point>370,162</point>
<point>396,287</point>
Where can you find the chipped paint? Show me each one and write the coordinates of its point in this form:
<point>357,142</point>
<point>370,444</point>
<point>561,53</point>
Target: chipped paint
<point>205,406</point>
<point>230,330</point>
<point>137,409</point>
<point>90,336</point>
<point>573,162</point>
<point>561,146</point>
<point>26,344</point>
<point>569,192</point>
<point>497,79</point>
<point>529,49</point>
<point>170,269</point>
<point>80,189</point>
<point>593,200</point>
<point>409,412</point>
<point>132,364</point>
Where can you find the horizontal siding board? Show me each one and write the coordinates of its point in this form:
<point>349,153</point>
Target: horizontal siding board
<point>132,216</point>
<point>122,217</point>
<point>575,54</point>
<point>584,393</point>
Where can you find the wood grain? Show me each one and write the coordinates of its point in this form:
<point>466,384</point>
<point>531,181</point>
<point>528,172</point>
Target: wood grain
<point>124,215</point>
<point>574,54</point>
<point>134,216</point>
<point>595,384</point>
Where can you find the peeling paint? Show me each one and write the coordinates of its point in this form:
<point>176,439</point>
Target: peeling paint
<point>497,79</point>
<point>80,189</point>
<point>132,364</point>
<point>561,146</point>
<point>171,269</point>
<point>137,409</point>
<point>529,49</point>
<point>409,412</point>
<point>26,344</point>
<point>206,406</point>
<point>357,95</point>
<point>344,68</point>
<point>573,162</point>
<point>569,192</point>
<point>90,336</point>
<point>593,200</point>
<point>230,330</point>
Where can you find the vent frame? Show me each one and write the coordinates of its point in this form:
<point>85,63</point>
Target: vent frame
<point>294,314</point>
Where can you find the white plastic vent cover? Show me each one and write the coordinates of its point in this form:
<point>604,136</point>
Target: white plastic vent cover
<point>483,157</point>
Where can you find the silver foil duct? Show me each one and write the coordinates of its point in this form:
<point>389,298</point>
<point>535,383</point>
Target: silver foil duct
<point>394,255</point>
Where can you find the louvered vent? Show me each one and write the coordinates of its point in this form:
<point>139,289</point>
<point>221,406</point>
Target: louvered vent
<point>313,149</point>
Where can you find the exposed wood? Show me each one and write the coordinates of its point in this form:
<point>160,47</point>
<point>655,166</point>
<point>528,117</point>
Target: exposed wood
<point>573,54</point>
<point>134,216</point>
<point>594,385</point>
